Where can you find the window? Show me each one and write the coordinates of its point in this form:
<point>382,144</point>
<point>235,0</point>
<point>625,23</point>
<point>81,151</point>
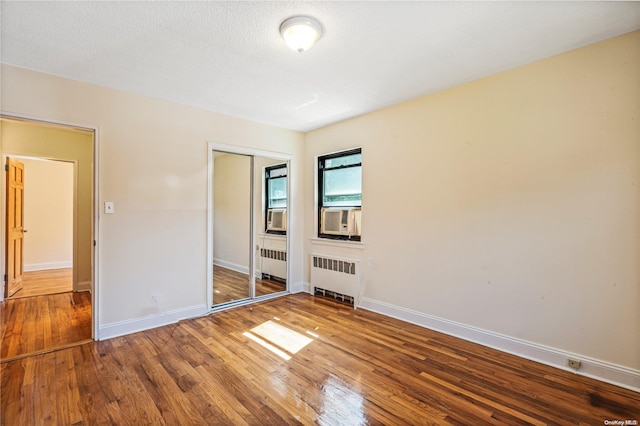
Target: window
<point>340,195</point>
<point>276,199</point>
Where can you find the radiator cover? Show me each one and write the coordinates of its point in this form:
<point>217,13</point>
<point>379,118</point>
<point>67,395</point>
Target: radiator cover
<point>273,263</point>
<point>335,276</point>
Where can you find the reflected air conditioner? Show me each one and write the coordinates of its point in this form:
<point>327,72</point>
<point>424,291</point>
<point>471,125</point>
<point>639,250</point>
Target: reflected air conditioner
<point>277,220</point>
<point>341,221</point>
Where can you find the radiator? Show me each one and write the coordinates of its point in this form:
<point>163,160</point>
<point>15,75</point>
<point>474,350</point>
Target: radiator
<point>335,277</point>
<point>273,263</point>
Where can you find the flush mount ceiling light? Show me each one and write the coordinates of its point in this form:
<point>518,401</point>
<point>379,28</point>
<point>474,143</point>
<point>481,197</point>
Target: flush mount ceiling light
<point>300,32</point>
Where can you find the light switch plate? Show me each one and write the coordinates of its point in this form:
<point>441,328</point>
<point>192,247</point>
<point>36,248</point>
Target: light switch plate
<point>108,207</point>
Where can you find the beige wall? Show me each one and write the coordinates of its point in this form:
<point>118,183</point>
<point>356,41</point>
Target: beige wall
<point>44,141</point>
<point>48,214</point>
<point>510,203</point>
<point>232,211</point>
<point>153,166</point>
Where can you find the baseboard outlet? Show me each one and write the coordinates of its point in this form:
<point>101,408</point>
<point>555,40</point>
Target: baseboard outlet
<point>45,266</point>
<point>83,286</point>
<point>600,370</point>
<point>231,265</point>
<point>151,321</point>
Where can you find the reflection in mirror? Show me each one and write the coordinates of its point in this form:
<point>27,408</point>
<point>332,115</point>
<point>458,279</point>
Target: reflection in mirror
<point>231,227</point>
<point>249,212</point>
<point>270,202</point>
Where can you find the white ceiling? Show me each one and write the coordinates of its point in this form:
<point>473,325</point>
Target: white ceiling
<point>228,57</point>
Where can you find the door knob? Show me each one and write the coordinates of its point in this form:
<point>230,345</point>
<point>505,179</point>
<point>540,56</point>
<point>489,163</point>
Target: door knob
<point>25,231</point>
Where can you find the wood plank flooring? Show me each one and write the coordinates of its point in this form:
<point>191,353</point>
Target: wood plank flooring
<point>299,359</point>
<point>40,323</point>
<point>266,286</point>
<point>37,283</point>
<point>229,285</point>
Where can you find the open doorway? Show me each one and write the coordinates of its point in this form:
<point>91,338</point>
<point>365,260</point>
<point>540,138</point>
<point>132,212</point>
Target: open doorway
<point>47,241</point>
<point>49,294</point>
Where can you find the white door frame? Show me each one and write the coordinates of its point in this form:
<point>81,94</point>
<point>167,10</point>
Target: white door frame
<point>234,149</point>
<point>95,305</point>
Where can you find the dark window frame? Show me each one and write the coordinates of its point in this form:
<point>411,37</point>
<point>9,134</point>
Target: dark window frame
<point>321,169</point>
<point>267,178</point>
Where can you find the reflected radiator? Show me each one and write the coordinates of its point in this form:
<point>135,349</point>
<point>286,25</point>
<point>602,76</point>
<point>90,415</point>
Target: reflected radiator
<point>335,277</point>
<point>273,264</point>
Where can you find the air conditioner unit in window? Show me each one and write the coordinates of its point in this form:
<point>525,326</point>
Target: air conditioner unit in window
<point>277,220</point>
<point>341,221</point>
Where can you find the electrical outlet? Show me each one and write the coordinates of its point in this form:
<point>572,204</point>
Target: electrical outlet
<point>574,363</point>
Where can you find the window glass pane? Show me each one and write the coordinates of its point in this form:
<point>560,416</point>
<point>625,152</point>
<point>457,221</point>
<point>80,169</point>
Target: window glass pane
<point>277,192</point>
<point>342,187</point>
<point>346,160</point>
<point>280,171</point>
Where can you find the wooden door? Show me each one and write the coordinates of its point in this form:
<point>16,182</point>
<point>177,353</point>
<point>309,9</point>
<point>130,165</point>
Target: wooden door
<point>15,227</point>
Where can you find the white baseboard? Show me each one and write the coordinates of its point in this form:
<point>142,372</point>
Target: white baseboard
<point>47,265</point>
<point>232,266</point>
<point>83,286</point>
<point>152,321</point>
<point>301,287</point>
<point>596,369</point>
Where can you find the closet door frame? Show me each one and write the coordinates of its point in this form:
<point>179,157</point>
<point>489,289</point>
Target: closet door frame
<point>233,149</point>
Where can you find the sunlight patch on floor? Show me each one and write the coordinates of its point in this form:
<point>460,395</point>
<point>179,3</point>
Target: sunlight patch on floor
<point>267,345</point>
<point>279,339</point>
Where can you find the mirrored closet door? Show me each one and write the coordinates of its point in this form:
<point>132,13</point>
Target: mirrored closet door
<point>231,227</point>
<point>249,210</point>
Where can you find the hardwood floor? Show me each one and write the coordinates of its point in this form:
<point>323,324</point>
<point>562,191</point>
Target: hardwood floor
<point>229,285</point>
<point>42,323</point>
<point>299,359</point>
<point>37,283</point>
<point>266,286</point>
